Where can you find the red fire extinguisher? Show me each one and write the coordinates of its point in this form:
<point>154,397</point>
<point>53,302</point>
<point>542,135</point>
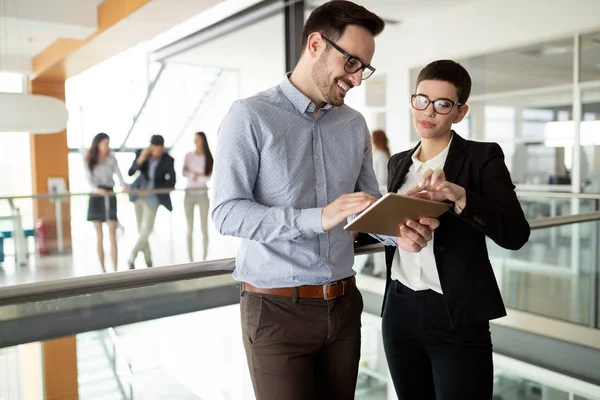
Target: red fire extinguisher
<point>41,237</point>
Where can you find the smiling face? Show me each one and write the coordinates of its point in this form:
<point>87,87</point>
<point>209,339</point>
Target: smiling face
<point>429,123</point>
<point>328,73</point>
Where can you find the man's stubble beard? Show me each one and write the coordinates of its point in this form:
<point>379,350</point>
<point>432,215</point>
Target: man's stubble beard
<point>319,77</point>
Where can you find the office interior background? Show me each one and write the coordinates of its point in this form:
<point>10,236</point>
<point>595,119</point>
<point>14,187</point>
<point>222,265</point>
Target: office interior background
<point>133,68</point>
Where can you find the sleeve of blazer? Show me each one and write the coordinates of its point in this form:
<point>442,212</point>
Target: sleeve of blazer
<point>497,211</point>
<point>134,166</point>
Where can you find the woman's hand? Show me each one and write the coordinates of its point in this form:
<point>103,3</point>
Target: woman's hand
<point>414,235</point>
<point>434,186</point>
<point>101,191</point>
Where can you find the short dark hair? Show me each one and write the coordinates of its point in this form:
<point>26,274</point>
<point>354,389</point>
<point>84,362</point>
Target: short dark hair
<point>451,72</point>
<point>157,140</point>
<point>332,18</point>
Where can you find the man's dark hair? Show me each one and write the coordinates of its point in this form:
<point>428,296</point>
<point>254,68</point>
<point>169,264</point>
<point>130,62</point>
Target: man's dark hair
<point>451,72</point>
<point>157,140</point>
<point>332,18</point>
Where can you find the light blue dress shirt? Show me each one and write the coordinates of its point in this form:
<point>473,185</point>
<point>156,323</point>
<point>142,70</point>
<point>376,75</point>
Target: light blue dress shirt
<point>276,167</point>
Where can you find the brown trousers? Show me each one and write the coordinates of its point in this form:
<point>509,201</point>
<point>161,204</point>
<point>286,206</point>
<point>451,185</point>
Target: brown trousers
<point>307,350</point>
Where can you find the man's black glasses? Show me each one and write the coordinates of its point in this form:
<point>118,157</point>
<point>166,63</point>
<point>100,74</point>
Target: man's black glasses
<point>353,64</point>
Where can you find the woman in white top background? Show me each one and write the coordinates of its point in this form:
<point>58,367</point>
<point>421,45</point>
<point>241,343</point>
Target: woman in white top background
<point>375,263</point>
<point>101,167</point>
<point>197,168</point>
<point>381,156</point>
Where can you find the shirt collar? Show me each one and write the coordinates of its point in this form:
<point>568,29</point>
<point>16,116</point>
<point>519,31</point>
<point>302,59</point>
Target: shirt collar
<point>297,98</point>
<point>436,162</point>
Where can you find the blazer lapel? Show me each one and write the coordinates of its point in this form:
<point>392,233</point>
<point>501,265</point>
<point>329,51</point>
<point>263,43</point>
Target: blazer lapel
<point>401,171</point>
<point>456,158</point>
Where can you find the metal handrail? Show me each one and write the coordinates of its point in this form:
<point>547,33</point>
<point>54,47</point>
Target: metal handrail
<point>552,222</point>
<point>520,193</point>
<point>557,195</point>
<point>68,287</point>
<point>80,194</point>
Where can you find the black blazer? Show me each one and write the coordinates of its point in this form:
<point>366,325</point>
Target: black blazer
<point>164,178</point>
<point>466,276</point>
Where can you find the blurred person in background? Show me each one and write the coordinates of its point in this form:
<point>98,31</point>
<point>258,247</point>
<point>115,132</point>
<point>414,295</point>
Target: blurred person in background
<point>101,168</point>
<point>156,172</point>
<point>381,156</point>
<point>197,168</point>
<point>375,264</point>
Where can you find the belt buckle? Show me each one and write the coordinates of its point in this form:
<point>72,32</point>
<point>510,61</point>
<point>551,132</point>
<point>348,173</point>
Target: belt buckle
<point>326,295</point>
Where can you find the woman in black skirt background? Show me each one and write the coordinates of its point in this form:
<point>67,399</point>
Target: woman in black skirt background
<point>101,167</point>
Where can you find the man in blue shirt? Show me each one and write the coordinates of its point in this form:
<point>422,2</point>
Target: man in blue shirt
<point>293,164</point>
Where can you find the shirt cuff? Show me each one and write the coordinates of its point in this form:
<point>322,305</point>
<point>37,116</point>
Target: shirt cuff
<point>309,221</point>
<point>387,240</point>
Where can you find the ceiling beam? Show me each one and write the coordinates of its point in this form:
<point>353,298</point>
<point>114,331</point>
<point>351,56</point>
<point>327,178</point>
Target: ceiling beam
<point>52,62</point>
<point>255,13</point>
<point>53,54</point>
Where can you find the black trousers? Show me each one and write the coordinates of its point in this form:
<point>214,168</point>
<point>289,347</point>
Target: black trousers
<point>428,359</point>
<point>307,350</point>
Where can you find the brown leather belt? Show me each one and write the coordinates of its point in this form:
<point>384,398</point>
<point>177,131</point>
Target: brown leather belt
<point>326,292</point>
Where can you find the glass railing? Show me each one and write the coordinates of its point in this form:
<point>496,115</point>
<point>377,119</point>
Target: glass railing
<point>76,239</point>
<point>58,251</point>
<point>538,205</point>
<point>555,274</point>
<point>199,354</point>
<point>174,330</point>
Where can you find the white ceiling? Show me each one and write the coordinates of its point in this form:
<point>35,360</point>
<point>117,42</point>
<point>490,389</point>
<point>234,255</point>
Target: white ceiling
<point>528,67</point>
<point>266,47</point>
<point>29,26</point>
<point>400,10</point>
<point>143,25</point>
<point>266,37</point>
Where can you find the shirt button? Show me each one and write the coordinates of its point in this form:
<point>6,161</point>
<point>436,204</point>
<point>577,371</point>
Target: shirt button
<point>317,157</point>
<point>320,189</point>
<point>324,258</point>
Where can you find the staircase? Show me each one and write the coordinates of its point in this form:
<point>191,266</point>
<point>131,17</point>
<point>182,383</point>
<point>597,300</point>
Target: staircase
<point>177,94</point>
<point>97,375</point>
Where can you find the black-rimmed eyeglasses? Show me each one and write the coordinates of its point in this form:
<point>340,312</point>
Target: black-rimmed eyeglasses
<point>353,64</point>
<point>441,106</point>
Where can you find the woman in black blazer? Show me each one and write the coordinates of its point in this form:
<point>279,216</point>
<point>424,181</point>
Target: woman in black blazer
<point>438,302</point>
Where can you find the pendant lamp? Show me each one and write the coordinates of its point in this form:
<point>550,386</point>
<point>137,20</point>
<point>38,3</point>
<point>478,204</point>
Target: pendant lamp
<point>32,113</point>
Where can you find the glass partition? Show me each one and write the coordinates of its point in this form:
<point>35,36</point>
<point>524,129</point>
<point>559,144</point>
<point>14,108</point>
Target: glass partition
<point>553,274</point>
<point>590,140</point>
<point>199,355</point>
<point>590,57</point>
